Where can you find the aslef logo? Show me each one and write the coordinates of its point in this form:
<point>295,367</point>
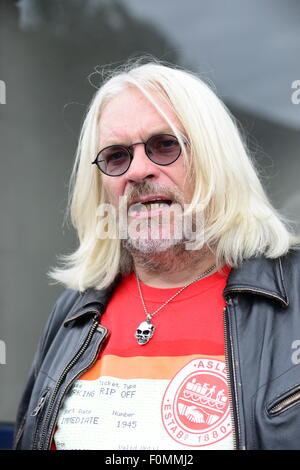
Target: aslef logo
<point>195,407</point>
<point>2,352</point>
<point>296,94</point>
<point>2,92</point>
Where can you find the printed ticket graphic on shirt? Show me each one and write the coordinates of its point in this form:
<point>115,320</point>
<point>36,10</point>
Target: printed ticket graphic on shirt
<point>188,411</point>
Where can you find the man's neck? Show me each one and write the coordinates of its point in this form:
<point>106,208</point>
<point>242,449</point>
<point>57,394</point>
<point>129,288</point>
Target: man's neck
<point>166,271</point>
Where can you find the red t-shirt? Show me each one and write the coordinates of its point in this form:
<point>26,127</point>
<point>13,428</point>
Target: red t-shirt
<point>170,393</point>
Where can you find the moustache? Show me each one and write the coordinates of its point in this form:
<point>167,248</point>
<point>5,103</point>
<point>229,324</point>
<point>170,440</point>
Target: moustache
<point>138,191</point>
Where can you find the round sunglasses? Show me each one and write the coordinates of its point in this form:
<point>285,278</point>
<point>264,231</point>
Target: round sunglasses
<point>162,149</point>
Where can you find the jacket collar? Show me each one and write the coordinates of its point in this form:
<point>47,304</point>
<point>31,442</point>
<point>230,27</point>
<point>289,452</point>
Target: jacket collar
<point>93,301</point>
<point>258,276</point>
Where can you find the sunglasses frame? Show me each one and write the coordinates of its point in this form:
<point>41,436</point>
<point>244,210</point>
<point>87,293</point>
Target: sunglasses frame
<point>131,156</point>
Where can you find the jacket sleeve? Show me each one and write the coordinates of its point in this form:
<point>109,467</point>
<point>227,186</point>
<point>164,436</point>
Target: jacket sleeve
<point>55,319</point>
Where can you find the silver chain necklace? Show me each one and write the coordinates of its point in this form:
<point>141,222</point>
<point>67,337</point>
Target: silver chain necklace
<point>145,330</point>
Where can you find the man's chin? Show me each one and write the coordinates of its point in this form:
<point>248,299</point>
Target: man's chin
<point>151,246</point>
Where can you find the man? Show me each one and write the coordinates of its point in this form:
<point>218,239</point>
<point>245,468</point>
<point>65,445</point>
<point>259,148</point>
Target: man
<point>181,333</point>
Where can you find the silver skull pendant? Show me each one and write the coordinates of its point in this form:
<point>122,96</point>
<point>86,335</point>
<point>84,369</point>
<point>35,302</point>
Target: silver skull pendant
<point>144,332</point>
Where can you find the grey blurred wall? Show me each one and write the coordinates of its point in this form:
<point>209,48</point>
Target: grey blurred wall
<point>48,49</point>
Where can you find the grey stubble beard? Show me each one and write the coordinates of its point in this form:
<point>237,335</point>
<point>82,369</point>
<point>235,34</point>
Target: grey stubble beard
<point>171,260</point>
<point>157,255</point>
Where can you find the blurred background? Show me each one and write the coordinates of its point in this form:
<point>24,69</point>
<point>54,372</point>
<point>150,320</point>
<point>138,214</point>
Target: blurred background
<point>50,51</point>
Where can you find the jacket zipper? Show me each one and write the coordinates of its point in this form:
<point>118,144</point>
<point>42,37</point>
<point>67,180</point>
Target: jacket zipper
<point>37,411</point>
<point>39,406</point>
<point>72,380</point>
<point>61,378</point>
<point>285,403</point>
<point>229,354</point>
<point>229,361</point>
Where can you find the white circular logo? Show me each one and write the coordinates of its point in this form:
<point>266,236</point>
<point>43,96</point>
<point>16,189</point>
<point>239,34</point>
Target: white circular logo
<point>195,407</point>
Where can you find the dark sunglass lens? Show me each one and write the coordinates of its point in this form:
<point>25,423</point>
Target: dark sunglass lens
<point>114,160</point>
<point>163,149</point>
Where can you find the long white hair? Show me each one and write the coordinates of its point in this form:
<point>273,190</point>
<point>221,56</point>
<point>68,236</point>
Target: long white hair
<point>240,222</point>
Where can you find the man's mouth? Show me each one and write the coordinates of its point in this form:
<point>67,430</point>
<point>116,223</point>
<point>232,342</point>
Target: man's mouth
<point>149,206</point>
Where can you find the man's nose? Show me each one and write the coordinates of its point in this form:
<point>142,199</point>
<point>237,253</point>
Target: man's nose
<point>141,166</point>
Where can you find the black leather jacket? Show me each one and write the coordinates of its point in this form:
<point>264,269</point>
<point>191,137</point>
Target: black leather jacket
<point>262,326</point>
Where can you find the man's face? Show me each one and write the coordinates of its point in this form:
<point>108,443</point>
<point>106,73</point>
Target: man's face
<point>129,118</point>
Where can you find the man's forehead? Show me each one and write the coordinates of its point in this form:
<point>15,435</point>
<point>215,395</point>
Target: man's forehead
<point>130,116</point>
